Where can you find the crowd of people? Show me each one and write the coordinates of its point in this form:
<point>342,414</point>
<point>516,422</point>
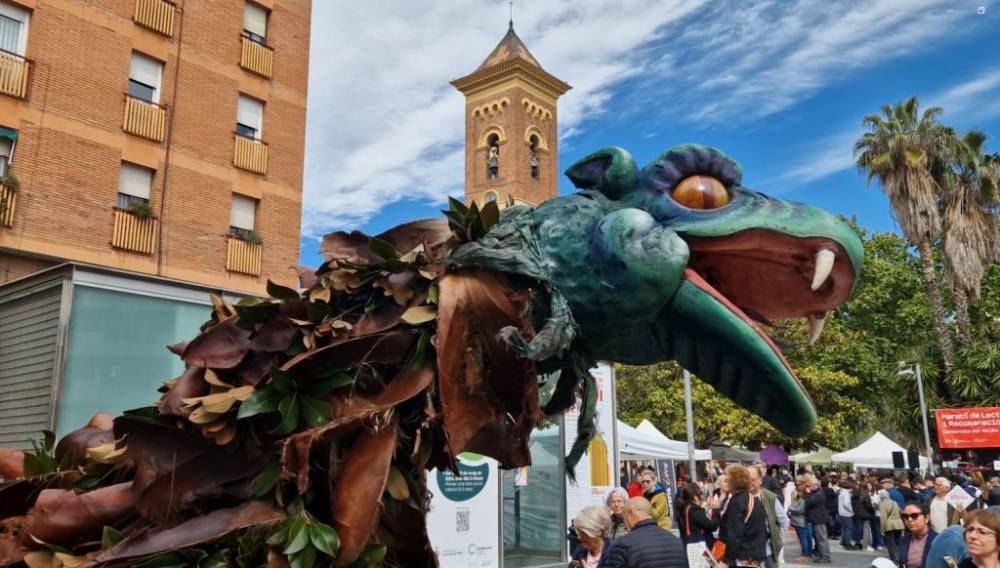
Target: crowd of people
<point>738,519</point>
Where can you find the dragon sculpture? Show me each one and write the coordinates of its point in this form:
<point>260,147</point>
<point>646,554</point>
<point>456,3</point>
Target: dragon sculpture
<point>302,428</point>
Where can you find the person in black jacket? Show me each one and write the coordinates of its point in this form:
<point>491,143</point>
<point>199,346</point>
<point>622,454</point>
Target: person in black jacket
<point>817,515</point>
<point>646,545</point>
<point>744,522</point>
<point>692,519</point>
<point>864,511</point>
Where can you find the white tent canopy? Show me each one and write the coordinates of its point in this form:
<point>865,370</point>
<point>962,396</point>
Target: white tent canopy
<point>646,427</point>
<point>636,445</point>
<point>875,453</point>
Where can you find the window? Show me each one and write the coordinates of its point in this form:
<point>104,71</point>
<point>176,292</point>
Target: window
<point>242,216</point>
<point>6,148</point>
<point>133,185</point>
<point>254,22</point>
<point>249,117</point>
<point>144,78</point>
<point>13,29</point>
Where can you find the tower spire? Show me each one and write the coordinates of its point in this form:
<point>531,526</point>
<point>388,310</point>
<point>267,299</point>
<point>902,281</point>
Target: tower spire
<point>510,24</point>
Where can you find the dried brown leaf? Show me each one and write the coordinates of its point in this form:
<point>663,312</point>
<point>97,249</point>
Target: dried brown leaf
<point>189,385</point>
<point>221,347</point>
<point>11,464</point>
<point>63,517</point>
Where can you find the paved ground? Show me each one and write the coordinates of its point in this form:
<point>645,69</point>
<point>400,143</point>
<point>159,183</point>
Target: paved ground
<point>841,558</point>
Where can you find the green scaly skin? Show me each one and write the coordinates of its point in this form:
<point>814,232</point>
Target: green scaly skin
<point>631,264</point>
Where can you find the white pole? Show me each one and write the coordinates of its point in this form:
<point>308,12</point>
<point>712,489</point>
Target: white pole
<point>923,412</point>
<point>689,414</point>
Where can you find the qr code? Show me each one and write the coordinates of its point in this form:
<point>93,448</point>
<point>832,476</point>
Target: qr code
<point>462,521</point>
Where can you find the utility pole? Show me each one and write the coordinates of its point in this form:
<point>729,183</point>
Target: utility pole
<point>689,414</point>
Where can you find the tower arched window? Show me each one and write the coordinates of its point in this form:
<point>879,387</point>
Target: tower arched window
<point>493,157</point>
<point>533,159</point>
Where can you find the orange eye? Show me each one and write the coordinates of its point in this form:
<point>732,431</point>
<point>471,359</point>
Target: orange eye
<point>701,192</point>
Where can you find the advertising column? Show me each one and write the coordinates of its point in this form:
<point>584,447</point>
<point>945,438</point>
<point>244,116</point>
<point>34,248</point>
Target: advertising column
<point>464,520</point>
<point>596,474</point>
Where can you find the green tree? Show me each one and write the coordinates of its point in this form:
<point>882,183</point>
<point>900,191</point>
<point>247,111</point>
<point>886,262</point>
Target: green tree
<point>900,150</point>
<point>970,228</point>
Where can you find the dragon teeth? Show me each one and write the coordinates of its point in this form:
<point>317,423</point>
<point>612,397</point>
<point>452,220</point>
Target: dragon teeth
<point>824,266</point>
<point>816,323</point>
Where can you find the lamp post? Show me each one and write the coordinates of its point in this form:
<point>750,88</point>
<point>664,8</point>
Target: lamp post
<point>915,370</point>
<point>689,415</point>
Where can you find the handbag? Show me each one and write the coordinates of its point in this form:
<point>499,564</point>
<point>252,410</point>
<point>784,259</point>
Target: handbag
<point>719,548</point>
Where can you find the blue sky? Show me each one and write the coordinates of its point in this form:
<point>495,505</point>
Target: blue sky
<point>780,86</point>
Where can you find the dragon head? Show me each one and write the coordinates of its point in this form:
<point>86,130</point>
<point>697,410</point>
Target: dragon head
<point>679,261</point>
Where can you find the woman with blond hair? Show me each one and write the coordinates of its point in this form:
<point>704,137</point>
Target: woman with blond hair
<point>744,522</point>
<point>592,525</point>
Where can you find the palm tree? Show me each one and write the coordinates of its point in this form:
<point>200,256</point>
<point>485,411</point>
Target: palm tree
<point>900,149</point>
<point>970,228</point>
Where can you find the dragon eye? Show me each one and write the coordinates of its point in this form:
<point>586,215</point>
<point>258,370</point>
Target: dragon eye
<point>701,192</point>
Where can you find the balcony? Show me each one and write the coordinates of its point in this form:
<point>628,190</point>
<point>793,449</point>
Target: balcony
<point>250,154</point>
<point>8,201</point>
<point>256,57</point>
<point>144,118</point>
<point>14,72</point>
<point>157,15</point>
<point>132,232</point>
<point>242,256</point>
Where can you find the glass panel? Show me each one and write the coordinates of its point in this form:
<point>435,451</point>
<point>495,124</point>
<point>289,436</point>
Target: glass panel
<point>533,531</point>
<point>244,130</point>
<point>135,180</point>
<point>141,91</point>
<point>255,22</point>
<point>3,166</point>
<point>115,359</point>
<point>146,71</point>
<point>249,113</point>
<point>243,212</point>
<point>126,201</point>
<point>10,34</point>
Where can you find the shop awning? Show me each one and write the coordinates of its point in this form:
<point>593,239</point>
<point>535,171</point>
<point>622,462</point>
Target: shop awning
<point>8,133</point>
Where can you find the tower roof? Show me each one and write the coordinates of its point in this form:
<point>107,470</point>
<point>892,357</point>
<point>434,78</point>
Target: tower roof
<point>510,57</point>
<point>510,47</point>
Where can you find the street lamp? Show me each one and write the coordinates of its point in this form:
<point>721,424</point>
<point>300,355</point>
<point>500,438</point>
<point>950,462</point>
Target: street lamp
<point>915,370</point>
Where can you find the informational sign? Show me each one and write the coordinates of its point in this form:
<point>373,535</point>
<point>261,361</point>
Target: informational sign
<point>464,520</point>
<point>959,498</point>
<point>968,427</point>
<point>595,474</point>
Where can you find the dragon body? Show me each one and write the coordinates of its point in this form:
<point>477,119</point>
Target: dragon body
<point>302,428</point>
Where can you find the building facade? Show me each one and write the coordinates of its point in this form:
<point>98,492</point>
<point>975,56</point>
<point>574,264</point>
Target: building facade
<point>511,134</point>
<point>154,138</point>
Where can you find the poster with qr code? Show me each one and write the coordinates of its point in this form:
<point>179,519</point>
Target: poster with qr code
<point>464,519</point>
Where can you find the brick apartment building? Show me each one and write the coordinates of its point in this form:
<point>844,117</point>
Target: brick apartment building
<point>154,137</point>
<point>151,152</point>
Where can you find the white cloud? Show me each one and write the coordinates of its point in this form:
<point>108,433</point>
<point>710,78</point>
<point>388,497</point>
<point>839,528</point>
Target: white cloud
<point>385,125</point>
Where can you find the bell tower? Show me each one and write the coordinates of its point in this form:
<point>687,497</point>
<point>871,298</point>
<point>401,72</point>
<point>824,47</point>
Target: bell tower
<point>510,126</point>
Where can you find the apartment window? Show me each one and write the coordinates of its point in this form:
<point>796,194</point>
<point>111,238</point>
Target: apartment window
<point>242,216</point>
<point>254,22</point>
<point>13,29</point>
<point>133,185</point>
<point>6,150</point>
<point>249,117</point>
<point>144,78</point>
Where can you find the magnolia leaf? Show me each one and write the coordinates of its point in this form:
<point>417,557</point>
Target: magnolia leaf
<point>282,380</point>
<point>320,295</point>
<point>411,256</point>
<point>371,555</point>
<point>213,379</point>
<point>202,416</point>
<point>304,559</point>
<point>457,206</point>
<point>432,294</point>
<point>260,402</point>
<point>490,215</point>
<point>419,314</point>
<point>422,350</point>
<point>298,537</point>
<point>382,249</point>
<point>280,292</point>
<point>322,386</point>
<point>314,411</point>
<point>324,538</point>
<point>396,485</point>
<point>106,453</point>
<point>110,537</point>
<point>289,409</point>
<point>265,481</point>
<point>280,536</point>
<point>242,393</point>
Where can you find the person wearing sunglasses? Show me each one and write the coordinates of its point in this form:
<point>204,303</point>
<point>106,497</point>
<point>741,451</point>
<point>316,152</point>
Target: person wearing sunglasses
<point>917,540</point>
<point>981,533</point>
<point>657,497</point>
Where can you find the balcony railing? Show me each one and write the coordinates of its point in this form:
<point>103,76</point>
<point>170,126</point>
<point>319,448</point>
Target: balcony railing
<point>8,200</point>
<point>250,154</point>
<point>157,15</point>
<point>132,232</point>
<point>256,57</point>
<point>14,72</point>
<point>144,118</point>
<point>242,256</point>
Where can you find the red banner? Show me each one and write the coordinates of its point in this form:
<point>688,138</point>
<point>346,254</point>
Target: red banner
<point>968,427</point>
